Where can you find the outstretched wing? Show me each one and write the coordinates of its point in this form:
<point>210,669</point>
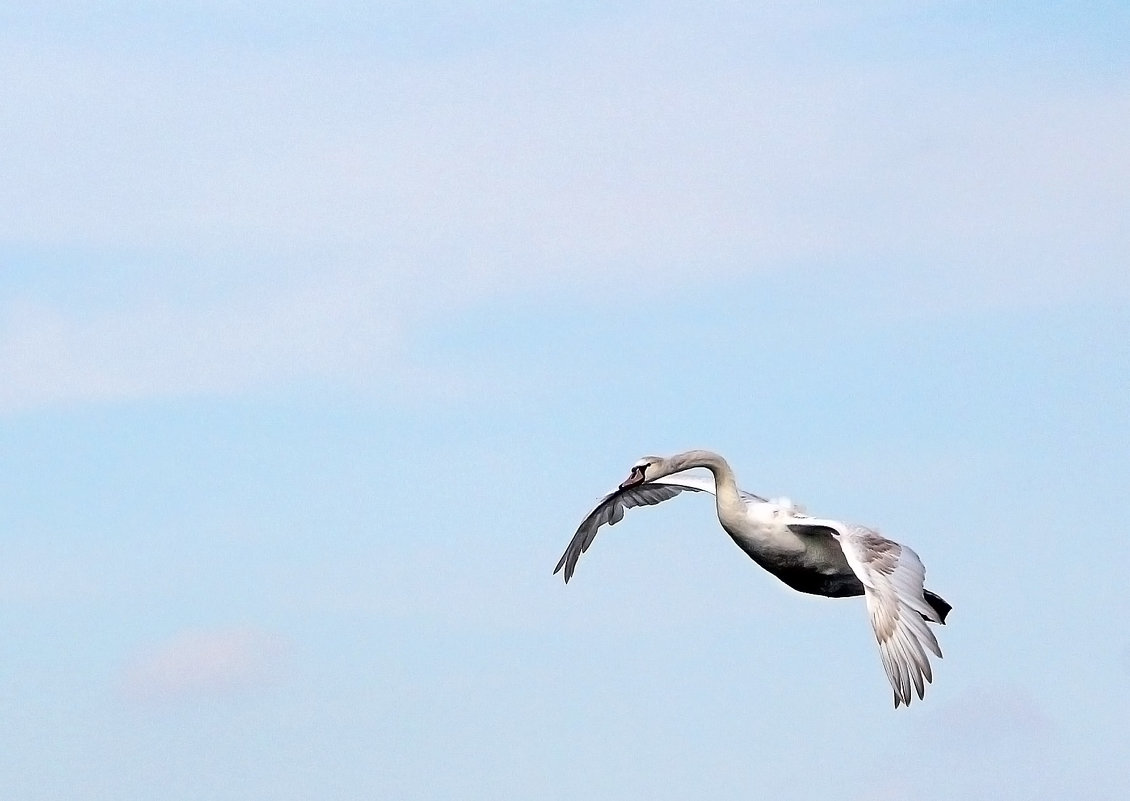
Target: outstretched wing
<point>611,511</point>
<point>892,576</point>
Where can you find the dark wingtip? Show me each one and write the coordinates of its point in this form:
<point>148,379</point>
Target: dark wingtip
<point>564,563</point>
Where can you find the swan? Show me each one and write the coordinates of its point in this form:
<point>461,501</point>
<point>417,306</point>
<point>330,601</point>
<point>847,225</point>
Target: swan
<point>810,554</point>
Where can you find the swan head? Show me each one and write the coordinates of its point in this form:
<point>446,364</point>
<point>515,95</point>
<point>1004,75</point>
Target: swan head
<point>646,469</point>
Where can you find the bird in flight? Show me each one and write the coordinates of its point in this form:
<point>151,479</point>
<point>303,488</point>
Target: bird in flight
<point>809,554</point>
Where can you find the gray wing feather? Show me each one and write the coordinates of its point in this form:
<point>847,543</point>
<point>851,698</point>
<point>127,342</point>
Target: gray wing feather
<point>611,511</point>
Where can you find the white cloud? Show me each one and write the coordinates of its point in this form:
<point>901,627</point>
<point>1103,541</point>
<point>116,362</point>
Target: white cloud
<point>159,347</point>
<point>603,158</point>
<point>373,196</point>
<point>204,662</point>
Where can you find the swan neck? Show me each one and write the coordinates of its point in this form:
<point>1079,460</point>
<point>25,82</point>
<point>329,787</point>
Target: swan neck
<point>725,484</point>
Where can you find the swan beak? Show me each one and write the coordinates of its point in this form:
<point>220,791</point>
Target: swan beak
<point>634,478</point>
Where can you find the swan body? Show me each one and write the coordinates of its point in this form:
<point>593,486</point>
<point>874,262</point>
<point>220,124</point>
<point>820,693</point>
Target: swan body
<point>812,555</point>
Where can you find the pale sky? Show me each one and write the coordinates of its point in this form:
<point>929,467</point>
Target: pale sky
<point>322,325</point>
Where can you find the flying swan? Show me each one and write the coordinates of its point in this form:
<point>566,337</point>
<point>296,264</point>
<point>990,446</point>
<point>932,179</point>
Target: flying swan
<point>813,555</point>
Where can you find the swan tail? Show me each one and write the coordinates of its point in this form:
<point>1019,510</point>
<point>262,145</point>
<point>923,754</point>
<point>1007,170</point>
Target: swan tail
<point>938,604</point>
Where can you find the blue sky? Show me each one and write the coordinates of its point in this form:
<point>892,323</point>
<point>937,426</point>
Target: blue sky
<point>323,325</point>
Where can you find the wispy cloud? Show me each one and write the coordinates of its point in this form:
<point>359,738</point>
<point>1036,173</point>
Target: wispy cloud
<point>159,347</point>
<point>990,717</point>
<point>502,173</point>
<point>204,662</point>
<point>366,197</point>
<point>984,740</point>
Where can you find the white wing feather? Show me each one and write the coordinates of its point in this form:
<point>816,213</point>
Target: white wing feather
<point>893,577</point>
